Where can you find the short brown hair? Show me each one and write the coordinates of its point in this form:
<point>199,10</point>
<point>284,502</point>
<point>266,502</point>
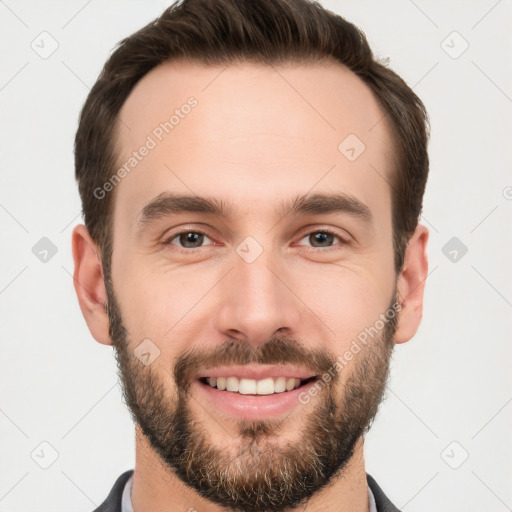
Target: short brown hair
<point>260,31</point>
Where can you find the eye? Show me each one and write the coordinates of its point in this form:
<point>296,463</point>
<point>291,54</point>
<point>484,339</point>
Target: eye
<point>323,238</point>
<point>188,239</point>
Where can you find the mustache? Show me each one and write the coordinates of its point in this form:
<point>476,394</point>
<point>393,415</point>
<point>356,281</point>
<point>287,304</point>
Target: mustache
<point>236,352</point>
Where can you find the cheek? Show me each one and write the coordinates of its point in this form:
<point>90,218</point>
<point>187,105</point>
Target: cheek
<point>175,306</point>
<point>344,300</point>
<point>166,307</point>
<point>351,295</point>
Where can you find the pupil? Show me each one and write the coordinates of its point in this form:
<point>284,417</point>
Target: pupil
<point>193,238</point>
<point>322,238</point>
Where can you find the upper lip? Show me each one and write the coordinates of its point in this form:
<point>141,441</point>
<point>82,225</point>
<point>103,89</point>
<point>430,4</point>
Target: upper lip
<point>258,372</point>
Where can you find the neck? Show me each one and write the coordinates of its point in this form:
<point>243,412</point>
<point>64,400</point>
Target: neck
<point>155,487</point>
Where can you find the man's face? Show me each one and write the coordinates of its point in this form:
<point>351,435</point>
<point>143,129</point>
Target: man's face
<point>264,294</point>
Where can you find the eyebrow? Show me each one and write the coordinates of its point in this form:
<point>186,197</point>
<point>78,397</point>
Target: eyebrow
<point>166,204</point>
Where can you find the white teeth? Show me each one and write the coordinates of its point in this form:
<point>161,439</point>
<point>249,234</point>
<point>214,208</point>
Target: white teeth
<point>266,386</point>
<point>247,387</point>
<point>232,384</point>
<point>280,385</point>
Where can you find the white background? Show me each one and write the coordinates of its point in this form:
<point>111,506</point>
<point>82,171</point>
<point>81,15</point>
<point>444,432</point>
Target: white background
<point>451,383</point>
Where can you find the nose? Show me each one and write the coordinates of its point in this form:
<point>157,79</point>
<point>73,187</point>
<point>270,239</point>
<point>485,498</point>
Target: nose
<point>256,302</point>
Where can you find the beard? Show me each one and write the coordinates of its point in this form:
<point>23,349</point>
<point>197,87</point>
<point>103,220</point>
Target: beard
<point>256,471</point>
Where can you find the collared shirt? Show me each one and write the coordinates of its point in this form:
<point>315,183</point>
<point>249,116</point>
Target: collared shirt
<point>126,504</point>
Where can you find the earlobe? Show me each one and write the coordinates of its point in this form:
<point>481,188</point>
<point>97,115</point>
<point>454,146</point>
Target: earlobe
<point>89,284</point>
<point>411,285</point>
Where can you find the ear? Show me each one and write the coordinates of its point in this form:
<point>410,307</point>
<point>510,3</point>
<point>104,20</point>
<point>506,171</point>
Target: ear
<point>89,284</point>
<point>411,285</point>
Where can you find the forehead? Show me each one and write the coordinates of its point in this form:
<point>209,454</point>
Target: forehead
<point>252,132</point>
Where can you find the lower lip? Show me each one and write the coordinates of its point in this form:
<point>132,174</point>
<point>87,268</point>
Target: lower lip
<point>254,407</point>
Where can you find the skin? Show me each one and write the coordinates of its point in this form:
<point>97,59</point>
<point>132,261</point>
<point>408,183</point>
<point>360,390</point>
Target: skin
<point>253,140</point>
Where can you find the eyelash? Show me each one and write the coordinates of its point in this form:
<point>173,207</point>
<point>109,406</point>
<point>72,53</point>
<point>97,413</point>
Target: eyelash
<point>168,241</point>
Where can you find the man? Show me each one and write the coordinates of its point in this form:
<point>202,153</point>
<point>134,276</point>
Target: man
<point>251,180</point>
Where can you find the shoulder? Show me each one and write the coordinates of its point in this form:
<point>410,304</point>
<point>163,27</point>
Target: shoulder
<point>113,501</point>
<point>381,500</point>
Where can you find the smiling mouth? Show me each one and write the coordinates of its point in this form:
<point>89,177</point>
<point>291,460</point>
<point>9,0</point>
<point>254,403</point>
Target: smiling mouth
<point>267,386</point>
